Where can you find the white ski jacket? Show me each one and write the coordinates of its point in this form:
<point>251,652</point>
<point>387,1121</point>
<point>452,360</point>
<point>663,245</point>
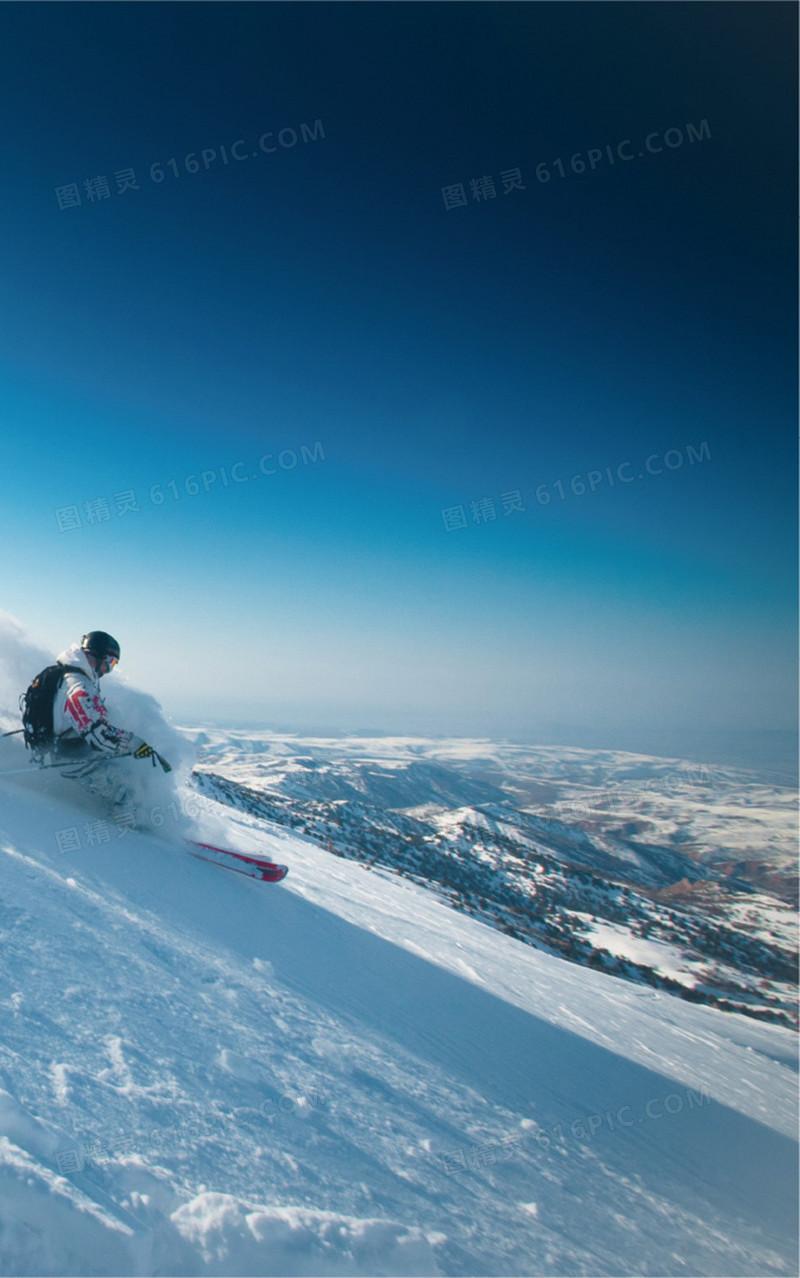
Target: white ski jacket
<point>79,709</point>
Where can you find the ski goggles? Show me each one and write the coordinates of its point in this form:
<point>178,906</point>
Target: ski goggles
<point>110,661</point>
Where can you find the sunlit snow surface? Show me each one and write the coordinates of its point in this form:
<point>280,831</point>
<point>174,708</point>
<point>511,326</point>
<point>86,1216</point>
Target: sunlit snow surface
<point>341,1075</point>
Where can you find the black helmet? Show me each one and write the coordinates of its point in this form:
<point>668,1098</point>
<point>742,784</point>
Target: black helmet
<point>100,645</point>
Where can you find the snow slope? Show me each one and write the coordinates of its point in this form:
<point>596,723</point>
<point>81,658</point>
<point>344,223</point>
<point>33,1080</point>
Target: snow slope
<point>339,1075</point>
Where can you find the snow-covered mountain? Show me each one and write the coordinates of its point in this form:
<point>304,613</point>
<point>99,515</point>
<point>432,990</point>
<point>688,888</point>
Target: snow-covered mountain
<point>658,870</point>
<point>708,812</point>
<point>340,1074</point>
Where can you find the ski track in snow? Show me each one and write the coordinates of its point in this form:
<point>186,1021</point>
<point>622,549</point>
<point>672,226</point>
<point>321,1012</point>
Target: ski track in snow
<point>341,1075</point>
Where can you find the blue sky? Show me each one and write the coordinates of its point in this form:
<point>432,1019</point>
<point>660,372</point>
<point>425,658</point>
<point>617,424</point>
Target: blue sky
<point>472,358</point>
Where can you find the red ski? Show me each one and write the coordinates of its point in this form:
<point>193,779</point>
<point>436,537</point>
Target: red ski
<point>255,867</point>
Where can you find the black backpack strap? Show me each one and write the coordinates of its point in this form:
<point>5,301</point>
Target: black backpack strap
<point>69,670</point>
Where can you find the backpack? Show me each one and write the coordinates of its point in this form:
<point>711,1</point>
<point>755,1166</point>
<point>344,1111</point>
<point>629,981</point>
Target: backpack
<point>37,706</point>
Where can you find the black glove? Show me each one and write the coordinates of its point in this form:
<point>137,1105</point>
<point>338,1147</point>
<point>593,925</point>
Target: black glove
<point>145,751</point>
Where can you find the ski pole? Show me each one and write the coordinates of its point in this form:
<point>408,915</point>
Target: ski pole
<point>68,763</point>
<point>12,772</point>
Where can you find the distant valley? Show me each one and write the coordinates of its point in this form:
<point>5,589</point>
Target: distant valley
<point>666,872</point>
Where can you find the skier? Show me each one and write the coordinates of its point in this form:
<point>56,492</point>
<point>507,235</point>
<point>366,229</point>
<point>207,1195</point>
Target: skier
<point>83,737</point>
<point>65,721</point>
